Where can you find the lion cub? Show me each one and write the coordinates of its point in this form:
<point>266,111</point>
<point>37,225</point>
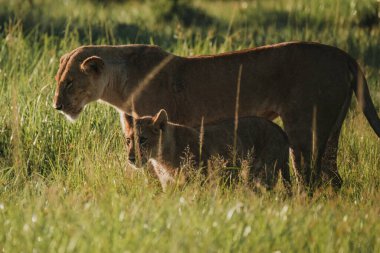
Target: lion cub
<point>161,143</point>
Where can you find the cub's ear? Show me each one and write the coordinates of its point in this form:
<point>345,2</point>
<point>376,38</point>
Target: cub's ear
<point>160,120</point>
<point>93,64</point>
<point>127,122</point>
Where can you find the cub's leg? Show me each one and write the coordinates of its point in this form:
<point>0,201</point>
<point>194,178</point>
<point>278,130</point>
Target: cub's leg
<point>161,172</point>
<point>263,172</point>
<point>274,159</point>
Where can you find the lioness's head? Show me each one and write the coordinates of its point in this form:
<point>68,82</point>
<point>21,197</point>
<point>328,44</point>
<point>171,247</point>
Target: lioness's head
<point>144,136</point>
<point>80,80</point>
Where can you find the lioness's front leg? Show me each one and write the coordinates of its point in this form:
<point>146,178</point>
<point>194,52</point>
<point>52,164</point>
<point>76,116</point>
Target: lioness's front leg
<point>305,154</point>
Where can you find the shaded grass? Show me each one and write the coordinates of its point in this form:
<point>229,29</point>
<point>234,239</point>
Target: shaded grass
<point>115,216</point>
<point>73,194</point>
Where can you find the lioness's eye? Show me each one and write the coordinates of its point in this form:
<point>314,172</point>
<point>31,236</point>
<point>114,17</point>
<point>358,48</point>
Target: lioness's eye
<point>69,84</point>
<point>128,141</point>
<point>142,140</point>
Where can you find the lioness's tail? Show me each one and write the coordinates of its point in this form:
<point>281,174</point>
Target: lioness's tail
<point>360,87</point>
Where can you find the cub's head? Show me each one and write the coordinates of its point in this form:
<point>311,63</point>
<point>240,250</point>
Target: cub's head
<point>80,80</point>
<point>145,135</point>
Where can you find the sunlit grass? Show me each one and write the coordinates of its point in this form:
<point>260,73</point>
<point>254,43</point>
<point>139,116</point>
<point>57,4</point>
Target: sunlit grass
<point>64,187</point>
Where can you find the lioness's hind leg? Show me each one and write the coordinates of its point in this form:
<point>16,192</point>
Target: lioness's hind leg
<point>329,160</point>
<point>308,131</point>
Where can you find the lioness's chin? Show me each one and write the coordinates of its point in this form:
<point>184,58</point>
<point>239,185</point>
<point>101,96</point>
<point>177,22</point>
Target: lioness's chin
<point>72,116</point>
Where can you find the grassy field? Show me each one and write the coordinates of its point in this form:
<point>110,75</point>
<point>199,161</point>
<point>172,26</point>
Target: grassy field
<point>63,187</point>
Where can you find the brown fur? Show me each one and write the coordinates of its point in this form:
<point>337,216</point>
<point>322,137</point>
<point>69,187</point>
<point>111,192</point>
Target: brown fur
<point>166,142</point>
<point>309,85</point>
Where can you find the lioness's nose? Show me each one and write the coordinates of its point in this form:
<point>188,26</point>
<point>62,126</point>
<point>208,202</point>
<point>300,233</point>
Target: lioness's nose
<point>58,107</point>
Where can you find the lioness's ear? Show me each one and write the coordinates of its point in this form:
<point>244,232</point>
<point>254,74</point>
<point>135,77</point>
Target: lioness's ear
<point>93,64</point>
<point>160,120</point>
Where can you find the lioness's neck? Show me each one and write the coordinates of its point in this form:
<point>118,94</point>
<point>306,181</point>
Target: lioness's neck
<point>128,68</point>
<point>116,89</point>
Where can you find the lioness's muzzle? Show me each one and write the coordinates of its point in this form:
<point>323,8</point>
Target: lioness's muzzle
<point>58,107</point>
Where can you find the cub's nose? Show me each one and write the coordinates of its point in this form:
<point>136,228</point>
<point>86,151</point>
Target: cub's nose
<point>58,107</point>
<point>132,159</point>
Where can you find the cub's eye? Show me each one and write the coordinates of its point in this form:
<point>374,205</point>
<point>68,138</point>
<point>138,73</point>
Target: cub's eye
<point>128,141</point>
<point>142,140</point>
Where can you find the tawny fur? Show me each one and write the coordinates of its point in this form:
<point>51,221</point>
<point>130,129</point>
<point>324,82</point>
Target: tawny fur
<point>309,85</point>
<point>166,142</point>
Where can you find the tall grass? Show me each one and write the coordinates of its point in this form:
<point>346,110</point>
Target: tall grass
<point>63,186</point>
<point>236,121</point>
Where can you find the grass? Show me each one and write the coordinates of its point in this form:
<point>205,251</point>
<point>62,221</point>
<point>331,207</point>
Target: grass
<point>63,187</point>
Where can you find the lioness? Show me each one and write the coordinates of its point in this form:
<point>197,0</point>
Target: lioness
<point>165,142</point>
<point>309,85</point>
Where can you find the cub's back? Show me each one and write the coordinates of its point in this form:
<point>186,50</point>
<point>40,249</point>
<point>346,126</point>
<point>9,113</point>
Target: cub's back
<point>253,132</point>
